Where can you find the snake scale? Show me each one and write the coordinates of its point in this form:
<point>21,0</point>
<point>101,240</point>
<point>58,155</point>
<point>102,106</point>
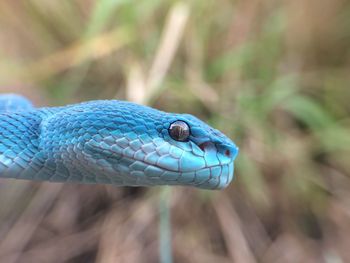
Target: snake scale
<point>111,142</point>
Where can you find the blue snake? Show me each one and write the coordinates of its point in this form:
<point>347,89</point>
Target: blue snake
<point>111,142</point>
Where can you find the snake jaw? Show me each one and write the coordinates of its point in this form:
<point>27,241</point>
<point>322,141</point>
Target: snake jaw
<point>158,162</point>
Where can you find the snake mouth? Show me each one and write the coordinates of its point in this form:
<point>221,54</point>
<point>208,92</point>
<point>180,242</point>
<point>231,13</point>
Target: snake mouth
<point>167,160</point>
<point>148,171</point>
<point>215,177</point>
<point>210,177</point>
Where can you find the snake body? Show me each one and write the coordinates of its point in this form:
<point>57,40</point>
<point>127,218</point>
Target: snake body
<point>110,142</point>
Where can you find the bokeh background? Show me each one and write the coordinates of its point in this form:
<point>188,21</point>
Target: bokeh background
<point>272,75</point>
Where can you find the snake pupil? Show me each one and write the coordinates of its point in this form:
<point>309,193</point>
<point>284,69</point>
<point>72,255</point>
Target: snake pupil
<point>179,131</point>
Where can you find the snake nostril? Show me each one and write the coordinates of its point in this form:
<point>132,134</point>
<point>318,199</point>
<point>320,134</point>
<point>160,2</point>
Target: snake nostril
<point>227,153</point>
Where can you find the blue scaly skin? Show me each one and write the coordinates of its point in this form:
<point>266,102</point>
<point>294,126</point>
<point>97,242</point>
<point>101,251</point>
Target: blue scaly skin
<point>110,142</point>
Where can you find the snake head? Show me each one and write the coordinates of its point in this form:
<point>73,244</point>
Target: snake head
<point>136,145</point>
<point>205,159</point>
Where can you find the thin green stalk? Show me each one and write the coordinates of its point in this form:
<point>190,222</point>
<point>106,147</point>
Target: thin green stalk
<point>165,251</point>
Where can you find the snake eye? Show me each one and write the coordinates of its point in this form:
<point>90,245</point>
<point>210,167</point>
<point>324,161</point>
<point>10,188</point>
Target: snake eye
<point>179,131</point>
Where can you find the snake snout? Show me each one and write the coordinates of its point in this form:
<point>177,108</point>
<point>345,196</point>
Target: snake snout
<point>230,151</point>
<point>219,158</point>
<point>225,152</point>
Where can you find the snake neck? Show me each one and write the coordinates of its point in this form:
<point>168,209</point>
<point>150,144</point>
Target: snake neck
<point>32,147</point>
<point>20,153</point>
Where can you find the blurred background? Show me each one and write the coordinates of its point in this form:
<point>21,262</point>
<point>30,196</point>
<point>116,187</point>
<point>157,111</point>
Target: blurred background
<point>272,75</point>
